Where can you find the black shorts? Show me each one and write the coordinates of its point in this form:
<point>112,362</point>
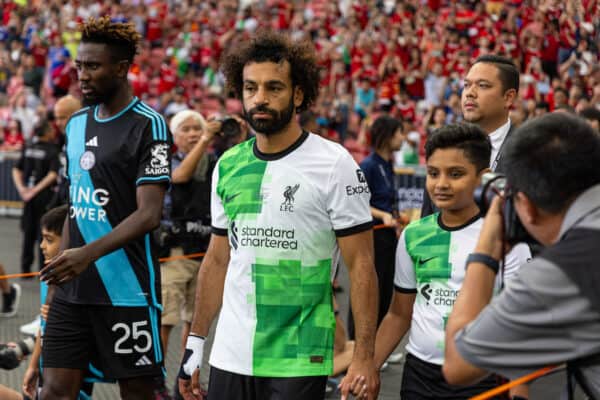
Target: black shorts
<point>424,381</point>
<point>123,342</point>
<point>225,385</point>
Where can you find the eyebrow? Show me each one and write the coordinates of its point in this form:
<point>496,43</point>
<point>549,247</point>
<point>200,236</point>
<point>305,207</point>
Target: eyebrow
<point>478,80</point>
<point>271,82</point>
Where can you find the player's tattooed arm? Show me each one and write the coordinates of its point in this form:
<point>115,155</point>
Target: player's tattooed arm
<point>72,262</point>
<point>362,376</point>
<point>209,297</point>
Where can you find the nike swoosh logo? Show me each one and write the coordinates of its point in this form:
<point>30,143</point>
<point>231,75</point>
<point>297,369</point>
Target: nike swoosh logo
<point>424,260</point>
<point>231,197</point>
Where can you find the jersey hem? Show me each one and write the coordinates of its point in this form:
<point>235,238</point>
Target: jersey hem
<point>149,180</point>
<point>353,229</point>
<point>276,373</point>
<point>405,290</point>
<point>218,232</point>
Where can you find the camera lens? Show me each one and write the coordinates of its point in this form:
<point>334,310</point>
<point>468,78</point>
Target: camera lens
<point>230,128</point>
<point>491,185</point>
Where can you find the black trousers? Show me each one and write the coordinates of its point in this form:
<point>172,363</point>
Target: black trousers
<point>424,381</point>
<point>224,385</point>
<point>384,244</point>
<point>30,226</point>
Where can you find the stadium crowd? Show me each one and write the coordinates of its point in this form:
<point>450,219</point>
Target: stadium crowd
<point>403,57</point>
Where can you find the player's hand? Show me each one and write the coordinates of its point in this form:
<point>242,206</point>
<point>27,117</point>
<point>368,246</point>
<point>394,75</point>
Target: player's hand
<point>30,382</point>
<point>189,373</point>
<point>362,380</point>
<point>389,220</point>
<point>190,388</point>
<point>66,266</point>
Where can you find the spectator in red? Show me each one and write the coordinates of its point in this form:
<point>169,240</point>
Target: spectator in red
<point>13,136</point>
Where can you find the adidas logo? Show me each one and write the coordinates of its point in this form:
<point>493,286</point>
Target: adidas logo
<point>93,142</point>
<point>143,361</point>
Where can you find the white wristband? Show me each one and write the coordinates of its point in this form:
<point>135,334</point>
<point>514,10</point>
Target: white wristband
<point>192,357</point>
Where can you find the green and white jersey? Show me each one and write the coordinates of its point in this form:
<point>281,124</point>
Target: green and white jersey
<point>282,213</point>
<point>430,261</point>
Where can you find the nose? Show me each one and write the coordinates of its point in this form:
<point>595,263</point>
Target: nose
<point>260,98</point>
<point>470,91</point>
<point>442,181</point>
<point>83,75</point>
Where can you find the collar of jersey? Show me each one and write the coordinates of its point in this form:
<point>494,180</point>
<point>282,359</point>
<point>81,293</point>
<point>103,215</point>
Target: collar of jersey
<point>117,115</point>
<point>276,156</point>
<point>456,228</point>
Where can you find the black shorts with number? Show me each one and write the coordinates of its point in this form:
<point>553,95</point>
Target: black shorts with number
<point>424,381</point>
<point>124,342</point>
<point>228,385</point>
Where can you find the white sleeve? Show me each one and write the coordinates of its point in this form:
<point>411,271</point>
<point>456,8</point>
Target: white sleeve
<point>405,280</point>
<point>519,255</point>
<point>219,219</point>
<point>348,197</point>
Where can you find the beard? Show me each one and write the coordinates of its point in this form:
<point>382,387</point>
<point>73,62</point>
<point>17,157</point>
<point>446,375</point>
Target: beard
<point>93,100</point>
<point>278,121</point>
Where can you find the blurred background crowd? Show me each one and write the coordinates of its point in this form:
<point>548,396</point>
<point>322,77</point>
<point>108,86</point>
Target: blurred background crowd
<point>402,57</point>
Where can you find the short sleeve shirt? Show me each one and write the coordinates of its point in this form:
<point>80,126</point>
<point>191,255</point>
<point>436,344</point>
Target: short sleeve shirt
<point>107,159</point>
<point>430,261</point>
<point>282,213</point>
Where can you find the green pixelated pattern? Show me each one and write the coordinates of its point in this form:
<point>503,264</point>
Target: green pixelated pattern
<point>241,176</point>
<point>295,321</point>
<point>429,247</point>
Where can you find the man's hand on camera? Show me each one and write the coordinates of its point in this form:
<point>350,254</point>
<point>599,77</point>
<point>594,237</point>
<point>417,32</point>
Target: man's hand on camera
<point>213,127</point>
<point>491,237</point>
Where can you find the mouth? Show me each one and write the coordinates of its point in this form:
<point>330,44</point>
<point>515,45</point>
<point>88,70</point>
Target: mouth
<point>442,196</point>
<point>261,115</point>
<point>86,91</point>
<point>469,106</point>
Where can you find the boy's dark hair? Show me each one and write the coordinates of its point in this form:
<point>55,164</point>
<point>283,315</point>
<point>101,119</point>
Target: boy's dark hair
<point>383,129</point>
<point>274,47</point>
<point>122,38</point>
<point>591,113</point>
<point>463,136</point>
<point>41,127</point>
<point>507,70</point>
<point>542,104</point>
<point>562,90</point>
<point>54,219</point>
<point>552,159</point>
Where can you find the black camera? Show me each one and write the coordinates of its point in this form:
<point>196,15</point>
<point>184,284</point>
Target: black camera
<point>492,185</point>
<point>230,127</point>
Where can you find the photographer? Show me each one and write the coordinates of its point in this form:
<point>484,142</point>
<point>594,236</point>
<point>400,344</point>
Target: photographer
<point>185,228</point>
<point>550,313</point>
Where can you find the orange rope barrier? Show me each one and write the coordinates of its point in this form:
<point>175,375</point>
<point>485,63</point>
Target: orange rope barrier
<point>162,260</point>
<point>507,386</point>
<point>181,257</point>
<point>14,276</point>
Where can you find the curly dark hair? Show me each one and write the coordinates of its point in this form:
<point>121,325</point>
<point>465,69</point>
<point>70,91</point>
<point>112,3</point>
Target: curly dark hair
<point>275,47</point>
<point>122,38</point>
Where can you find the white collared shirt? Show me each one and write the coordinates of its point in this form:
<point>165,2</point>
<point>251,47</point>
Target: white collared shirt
<point>497,138</point>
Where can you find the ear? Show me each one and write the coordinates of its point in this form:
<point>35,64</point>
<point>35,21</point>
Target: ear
<point>526,209</point>
<point>298,96</point>
<point>123,68</point>
<point>509,98</point>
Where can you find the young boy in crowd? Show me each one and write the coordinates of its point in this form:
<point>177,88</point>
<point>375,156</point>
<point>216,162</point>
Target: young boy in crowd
<point>51,226</point>
<point>430,263</point>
